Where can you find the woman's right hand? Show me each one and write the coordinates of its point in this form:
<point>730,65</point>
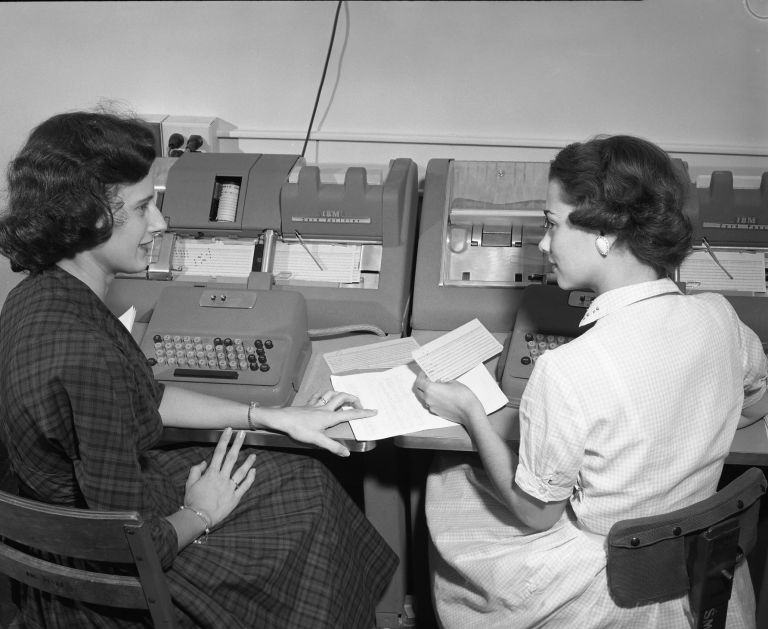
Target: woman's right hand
<point>216,488</point>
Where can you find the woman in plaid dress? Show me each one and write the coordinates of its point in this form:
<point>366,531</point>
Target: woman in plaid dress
<point>632,418</point>
<point>279,543</point>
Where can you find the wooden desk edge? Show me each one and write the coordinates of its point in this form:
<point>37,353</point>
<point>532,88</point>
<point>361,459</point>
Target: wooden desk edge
<point>749,447</point>
<point>258,438</point>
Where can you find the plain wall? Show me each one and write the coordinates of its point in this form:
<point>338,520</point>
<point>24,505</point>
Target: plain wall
<point>476,80</point>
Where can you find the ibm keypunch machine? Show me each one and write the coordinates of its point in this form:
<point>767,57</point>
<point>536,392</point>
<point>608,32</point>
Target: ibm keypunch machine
<point>478,256</point>
<point>261,254</point>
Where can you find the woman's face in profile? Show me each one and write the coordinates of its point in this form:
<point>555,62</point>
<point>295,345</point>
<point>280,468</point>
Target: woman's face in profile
<point>570,249</point>
<point>137,221</point>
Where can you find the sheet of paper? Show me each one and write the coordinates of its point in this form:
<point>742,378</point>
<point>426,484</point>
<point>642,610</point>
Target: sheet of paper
<point>340,263</point>
<point>399,410</point>
<point>128,318</point>
<point>700,272</point>
<point>482,384</point>
<point>382,355</point>
<point>391,394</point>
<point>456,352</point>
<point>213,257</point>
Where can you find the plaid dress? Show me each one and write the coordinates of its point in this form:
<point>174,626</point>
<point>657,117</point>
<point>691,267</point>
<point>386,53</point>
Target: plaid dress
<point>79,417</point>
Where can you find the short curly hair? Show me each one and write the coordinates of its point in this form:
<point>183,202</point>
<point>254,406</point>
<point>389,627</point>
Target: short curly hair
<point>62,185</point>
<point>628,187</point>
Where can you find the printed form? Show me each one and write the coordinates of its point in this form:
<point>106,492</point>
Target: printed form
<point>457,355</point>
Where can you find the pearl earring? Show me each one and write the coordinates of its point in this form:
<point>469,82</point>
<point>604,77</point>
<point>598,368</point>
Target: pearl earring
<point>603,245</point>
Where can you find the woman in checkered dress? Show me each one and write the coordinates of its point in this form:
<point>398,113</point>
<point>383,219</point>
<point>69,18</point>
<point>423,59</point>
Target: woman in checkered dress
<point>279,542</point>
<point>632,418</point>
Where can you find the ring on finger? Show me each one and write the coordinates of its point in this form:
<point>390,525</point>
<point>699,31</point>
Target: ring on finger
<point>323,401</point>
<point>235,482</point>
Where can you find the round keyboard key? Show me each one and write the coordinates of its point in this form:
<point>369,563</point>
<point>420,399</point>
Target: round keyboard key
<point>525,360</point>
<point>268,344</point>
<point>264,367</point>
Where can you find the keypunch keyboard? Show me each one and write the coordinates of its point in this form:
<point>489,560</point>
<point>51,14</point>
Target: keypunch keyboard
<point>540,342</point>
<point>212,357</point>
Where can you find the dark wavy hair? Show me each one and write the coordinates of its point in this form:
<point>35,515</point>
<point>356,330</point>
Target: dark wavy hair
<point>62,185</point>
<point>628,187</point>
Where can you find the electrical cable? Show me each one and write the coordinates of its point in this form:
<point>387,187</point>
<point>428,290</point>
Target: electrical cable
<point>322,79</point>
<point>754,13</point>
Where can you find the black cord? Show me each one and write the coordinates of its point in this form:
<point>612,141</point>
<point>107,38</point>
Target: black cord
<point>322,79</point>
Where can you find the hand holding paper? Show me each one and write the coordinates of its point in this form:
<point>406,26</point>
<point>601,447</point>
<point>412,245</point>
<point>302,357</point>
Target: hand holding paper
<point>457,355</point>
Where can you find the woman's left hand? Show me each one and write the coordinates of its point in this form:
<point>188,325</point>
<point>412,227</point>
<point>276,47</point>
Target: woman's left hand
<point>450,400</point>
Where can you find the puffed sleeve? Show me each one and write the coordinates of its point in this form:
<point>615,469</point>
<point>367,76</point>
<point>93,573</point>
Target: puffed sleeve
<point>552,435</point>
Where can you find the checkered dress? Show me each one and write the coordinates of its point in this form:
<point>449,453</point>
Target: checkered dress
<point>80,420</point>
<point>633,418</point>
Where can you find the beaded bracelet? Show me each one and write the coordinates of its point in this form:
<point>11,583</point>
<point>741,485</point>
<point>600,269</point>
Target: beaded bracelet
<point>206,520</point>
<point>251,406</point>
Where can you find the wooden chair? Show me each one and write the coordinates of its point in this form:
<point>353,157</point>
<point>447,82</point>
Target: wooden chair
<point>693,550</point>
<point>101,536</point>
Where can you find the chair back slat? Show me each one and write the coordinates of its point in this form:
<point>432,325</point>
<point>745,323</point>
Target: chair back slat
<point>108,537</point>
<point>89,587</point>
<point>85,534</point>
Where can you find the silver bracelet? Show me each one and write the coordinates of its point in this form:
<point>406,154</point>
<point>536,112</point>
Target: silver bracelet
<point>206,520</point>
<point>251,406</point>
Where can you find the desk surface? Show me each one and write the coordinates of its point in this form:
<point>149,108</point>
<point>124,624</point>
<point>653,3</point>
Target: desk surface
<point>750,445</point>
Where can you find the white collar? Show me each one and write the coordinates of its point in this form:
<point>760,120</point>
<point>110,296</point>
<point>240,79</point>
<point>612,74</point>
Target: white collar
<point>617,298</point>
